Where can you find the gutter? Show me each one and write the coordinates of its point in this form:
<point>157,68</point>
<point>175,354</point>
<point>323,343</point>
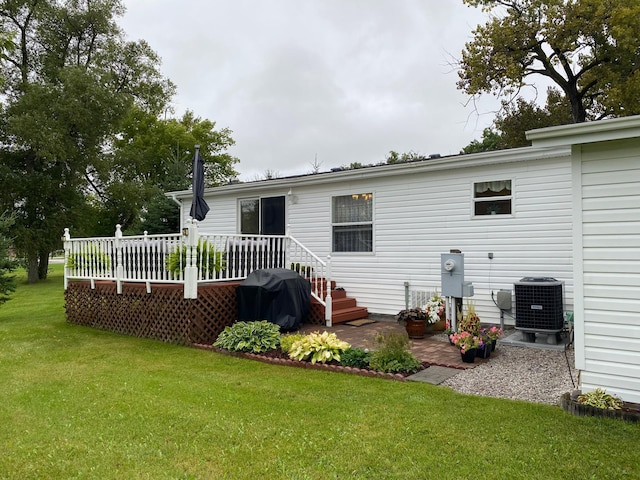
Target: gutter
<point>179,202</point>
<point>452,162</point>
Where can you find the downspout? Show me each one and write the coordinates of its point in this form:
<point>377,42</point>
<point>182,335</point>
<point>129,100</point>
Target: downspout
<point>179,202</point>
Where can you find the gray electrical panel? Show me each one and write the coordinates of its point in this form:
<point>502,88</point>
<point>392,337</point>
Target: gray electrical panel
<point>452,274</point>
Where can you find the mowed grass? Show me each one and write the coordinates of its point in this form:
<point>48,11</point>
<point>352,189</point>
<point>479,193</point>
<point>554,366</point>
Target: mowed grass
<point>76,402</point>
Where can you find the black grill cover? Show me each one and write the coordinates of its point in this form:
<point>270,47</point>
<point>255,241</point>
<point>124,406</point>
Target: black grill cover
<point>278,295</point>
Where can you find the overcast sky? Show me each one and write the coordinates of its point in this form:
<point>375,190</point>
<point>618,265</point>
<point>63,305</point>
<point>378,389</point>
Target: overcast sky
<point>338,80</point>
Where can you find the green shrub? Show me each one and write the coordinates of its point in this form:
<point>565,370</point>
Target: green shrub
<point>318,347</point>
<point>287,341</point>
<point>254,337</point>
<point>213,260</point>
<point>355,357</point>
<point>599,398</point>
<point>392,354</point>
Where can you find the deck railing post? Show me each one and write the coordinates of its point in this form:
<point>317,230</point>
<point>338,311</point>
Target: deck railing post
<point>191,268</point>
<point>328,310</point>
<point>119,265</point>
<point>66,242</point>
<point>287,248</point>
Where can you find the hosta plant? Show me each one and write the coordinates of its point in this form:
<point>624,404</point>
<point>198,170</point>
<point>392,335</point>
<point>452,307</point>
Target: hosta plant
<point>253,337</point>
<point>287,341</point>
<point>599,398</point>
<point>318,347</point>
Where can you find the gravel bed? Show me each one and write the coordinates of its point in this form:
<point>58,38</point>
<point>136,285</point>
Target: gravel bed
<point>519,373</point>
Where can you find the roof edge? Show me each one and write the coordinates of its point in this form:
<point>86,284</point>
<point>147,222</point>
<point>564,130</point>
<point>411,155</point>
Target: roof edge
<point>587,132</point>
<point>409,168</point>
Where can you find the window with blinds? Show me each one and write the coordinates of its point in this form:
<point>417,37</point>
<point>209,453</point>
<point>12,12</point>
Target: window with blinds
<point>492,198</point>
<point>352,222</point>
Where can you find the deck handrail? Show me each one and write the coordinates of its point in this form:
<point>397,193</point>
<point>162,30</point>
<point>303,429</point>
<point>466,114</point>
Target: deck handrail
<point>191,258</point>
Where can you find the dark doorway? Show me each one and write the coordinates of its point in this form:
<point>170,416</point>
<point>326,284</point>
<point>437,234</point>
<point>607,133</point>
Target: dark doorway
<point>272,215</point>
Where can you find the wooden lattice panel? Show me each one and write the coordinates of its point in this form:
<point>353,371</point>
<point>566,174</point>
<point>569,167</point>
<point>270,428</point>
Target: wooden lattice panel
<point>213,310</point>
<point>316,314</point>
<point>164,314</point>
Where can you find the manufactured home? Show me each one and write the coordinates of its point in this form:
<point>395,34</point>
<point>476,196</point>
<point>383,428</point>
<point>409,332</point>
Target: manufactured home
<point>563,214</point>
<point>385,227</point>
<point>566,208</point>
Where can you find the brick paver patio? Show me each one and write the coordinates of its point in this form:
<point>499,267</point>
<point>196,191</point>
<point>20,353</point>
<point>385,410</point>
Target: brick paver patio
<point>434,350</point>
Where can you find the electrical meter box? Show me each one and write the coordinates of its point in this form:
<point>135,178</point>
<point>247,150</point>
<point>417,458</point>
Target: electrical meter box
<point>452,274</point>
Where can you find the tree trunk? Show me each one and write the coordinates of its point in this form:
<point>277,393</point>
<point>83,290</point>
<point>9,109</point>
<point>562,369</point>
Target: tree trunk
<point>43,265</point>
<point>578,112</point>
<point>32,269</point>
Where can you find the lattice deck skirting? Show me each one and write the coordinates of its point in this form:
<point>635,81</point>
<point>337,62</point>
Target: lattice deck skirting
<point>164,314</point>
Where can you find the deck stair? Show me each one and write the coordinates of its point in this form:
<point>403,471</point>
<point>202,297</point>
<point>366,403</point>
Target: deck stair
<point>344,308</point>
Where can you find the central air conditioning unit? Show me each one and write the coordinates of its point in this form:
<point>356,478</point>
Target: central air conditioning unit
<point>539,305</point>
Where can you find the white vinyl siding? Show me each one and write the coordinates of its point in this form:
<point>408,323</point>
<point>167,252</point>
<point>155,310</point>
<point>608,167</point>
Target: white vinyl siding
<point>421,213</point>
<point>608,346</point>
<point>420,216</point>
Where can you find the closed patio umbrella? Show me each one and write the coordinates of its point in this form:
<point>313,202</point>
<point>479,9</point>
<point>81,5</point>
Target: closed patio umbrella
<point>199,207</point>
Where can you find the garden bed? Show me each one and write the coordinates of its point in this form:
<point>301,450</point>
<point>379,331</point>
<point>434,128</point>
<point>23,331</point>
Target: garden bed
<point>277,357</point>
<point>629,411</point>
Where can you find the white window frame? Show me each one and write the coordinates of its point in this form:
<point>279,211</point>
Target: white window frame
<point>239,221</point>
<point>370,223</point>
<point>475,201</point>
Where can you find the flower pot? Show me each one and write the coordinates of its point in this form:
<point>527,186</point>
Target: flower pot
<point>439,326</point>
<point>416,328</point>
<point>493,345</point>
<point>484,351</point>
<point>469,356</point>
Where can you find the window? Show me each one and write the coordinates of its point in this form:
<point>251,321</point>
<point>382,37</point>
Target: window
<point>492,198</point>
<point>250,216</point>
<point>352,221</point>
<point>264,216</point>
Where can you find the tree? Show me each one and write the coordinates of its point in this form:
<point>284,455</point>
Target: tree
<point>587,48</point>
<point>70,80</point>
<point>395,157</point>
<point>515,119</point>
<point>7,264</point>
<point>150,157</point>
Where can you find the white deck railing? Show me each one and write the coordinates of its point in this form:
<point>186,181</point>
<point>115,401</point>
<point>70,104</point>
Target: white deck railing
<point>191,258</point>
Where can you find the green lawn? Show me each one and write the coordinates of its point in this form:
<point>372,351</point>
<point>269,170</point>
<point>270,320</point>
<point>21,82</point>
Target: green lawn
<point>83,403</point>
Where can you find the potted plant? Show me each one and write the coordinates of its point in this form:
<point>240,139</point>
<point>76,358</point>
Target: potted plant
<point>468,343</point>
<point>436,311</point>
<point>484,350</point>
<point>414,320</point>
<point>470,321</point>
<point>494,333</point>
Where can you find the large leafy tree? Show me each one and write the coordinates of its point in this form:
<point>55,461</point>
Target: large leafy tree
<point>7,264</point>
<point>515,118</point>
<point>589,49</point>
<point>70,80</point>
<point>152,156</point>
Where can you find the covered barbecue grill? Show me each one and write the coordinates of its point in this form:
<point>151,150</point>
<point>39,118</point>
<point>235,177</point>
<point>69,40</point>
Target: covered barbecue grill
<point>278,295</point>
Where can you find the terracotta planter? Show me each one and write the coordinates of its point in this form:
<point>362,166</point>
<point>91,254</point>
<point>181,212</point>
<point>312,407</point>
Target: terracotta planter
<point>439,326</point>
<point>416,328</point>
